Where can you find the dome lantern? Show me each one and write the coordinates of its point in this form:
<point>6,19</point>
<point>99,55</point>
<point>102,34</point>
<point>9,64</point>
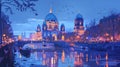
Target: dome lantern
<point>79,16</point>
<point>50,16</point>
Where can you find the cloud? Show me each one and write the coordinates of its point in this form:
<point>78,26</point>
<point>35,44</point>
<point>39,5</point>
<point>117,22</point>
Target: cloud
<point>35,20</point>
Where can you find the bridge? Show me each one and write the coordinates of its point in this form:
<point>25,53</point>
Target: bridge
<point>78,45</point>
<point>56,43</point>
<point>22,43</point>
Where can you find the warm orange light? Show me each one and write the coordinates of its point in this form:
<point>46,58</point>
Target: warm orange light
<point>106,57</point>
<point>78,37</point>
<point>106,65</point>
<point>55,36</point>
<point>72,44</point>
<point>4,35</point>
<point>19,37</point>
<point>78,60</point>
<point>111,38</point>
<point>86,57</point>
<point>63,56</point>
<point>63,38</point>
<point>106,34</point>
<point>44,56</point>
<point>52,60</point>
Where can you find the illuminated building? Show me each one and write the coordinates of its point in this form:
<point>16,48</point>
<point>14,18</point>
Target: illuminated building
<point>32,36</point>
<point>62,30</point>
<point>23,35</point>
<point>51,21</point>
<point>19,37</point>
<point>63,37</point>
<point>38,33</point>
<point>50,27</point>
<point>78,25</point>
<point>50,30</point>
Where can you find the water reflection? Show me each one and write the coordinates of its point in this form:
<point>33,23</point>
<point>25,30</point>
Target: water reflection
<point>20,56</point>
<point>67,58</point>
<point>106,57</point>
<point>63,56</point>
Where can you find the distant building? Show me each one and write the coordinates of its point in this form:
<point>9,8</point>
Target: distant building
<point>62,28</point>
<point>19,37</point>
<point>23,35</point>
<point>32,36</point>
<point>38,33</point>
<point>62,32</point>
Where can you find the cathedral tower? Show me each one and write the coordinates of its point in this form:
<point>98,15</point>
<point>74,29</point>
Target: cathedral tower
<point>78,25</point>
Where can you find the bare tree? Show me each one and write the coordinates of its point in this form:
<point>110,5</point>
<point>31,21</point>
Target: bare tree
<point>20,5</point>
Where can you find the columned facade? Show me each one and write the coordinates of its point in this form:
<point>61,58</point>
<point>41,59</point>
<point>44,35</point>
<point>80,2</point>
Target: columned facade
<point>50,28</point>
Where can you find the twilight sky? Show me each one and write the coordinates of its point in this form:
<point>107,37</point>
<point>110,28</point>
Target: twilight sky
<point>65,11</point>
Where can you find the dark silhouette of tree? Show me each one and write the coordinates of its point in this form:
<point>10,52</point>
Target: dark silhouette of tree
<point>20,5</point>
<point>7,5</point>
<point>7,29</point>
<point>109,24</point>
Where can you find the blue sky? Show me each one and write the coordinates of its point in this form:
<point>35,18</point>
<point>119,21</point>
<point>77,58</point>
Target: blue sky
<point>65,11</point>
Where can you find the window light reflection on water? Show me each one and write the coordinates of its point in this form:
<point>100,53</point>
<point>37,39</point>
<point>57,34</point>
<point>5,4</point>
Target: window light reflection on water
<point>65,58</point>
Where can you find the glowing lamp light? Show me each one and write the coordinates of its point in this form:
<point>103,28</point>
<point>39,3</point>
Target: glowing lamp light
<point>52,60</point>
<point>106,57</point>
<point>4,35</point>
<point>19,37</point>
<point>63,38</point>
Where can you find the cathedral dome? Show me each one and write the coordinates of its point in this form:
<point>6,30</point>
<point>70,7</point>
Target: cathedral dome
<point>51,17</point>
<point>62,24</point>
<point>79,16</point>
<point>44,23</point>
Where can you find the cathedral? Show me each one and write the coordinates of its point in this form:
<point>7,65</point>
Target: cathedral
<point>50,29</point>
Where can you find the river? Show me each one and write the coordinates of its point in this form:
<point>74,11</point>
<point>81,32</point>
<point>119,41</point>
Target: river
<point>68,57</point>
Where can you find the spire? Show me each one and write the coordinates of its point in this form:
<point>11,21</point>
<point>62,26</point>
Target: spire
<point>38,28</point>
<point>50,10</point>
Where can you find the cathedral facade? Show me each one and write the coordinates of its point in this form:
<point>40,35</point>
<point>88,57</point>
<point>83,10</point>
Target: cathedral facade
<point>78,25</point>
<point>50,27</point>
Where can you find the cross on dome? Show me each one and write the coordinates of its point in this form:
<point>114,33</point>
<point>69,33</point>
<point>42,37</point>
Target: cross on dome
<point>50,10</point>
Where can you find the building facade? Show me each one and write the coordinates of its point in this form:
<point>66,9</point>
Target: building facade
<point>50,26</point>
<point>78,25</point>
<point>50,29</point>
